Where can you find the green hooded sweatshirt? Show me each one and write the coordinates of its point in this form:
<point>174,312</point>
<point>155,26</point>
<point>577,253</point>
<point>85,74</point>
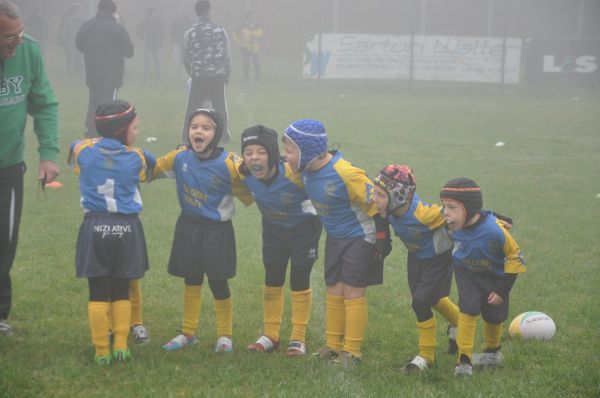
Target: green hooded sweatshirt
<point>24,88</point>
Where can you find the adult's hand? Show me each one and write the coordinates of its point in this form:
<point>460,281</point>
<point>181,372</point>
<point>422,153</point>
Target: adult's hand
<point>48,171</point>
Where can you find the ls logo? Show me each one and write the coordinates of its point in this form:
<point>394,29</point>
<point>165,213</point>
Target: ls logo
<point>570,63</point>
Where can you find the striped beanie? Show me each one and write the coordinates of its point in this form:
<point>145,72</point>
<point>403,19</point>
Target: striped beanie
<point>466,192</point>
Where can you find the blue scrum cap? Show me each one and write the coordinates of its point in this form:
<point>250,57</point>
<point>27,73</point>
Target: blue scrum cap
<point>310,137</point>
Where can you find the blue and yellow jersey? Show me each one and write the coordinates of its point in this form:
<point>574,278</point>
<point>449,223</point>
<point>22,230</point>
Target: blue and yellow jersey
<point>487,247</point>
<point>109,174</point>
<point>283,202</point>
<point>422,229</point>
<point>205,188</point>
<point>343,197</point>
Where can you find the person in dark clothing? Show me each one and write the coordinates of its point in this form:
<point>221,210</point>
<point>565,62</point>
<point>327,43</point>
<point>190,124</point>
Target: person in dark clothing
<point>152,32</point>
<point>207,60</point>
<point>105,44</point>
<point>65,37</point>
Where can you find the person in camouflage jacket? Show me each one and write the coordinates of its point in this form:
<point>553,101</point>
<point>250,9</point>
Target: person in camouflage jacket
<point>207,60</point>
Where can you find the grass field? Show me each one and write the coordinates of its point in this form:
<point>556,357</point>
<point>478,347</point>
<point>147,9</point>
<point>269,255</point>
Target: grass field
<point>546,178</point>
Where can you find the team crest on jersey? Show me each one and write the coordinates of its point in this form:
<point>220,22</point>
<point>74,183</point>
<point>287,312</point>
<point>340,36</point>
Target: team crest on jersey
<point>329,188</point>
<point>184,167</point>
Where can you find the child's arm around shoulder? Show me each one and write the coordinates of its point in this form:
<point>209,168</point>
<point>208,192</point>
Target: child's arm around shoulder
<point>148,163</point>
<point>165,164</point>
<point>359,186</point>
<point>430,215</point>
<point>238,187</point>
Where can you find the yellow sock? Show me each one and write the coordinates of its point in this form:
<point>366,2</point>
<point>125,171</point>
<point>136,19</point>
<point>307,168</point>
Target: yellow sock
<point>448,309</point>
<point>224,317</point>
<point>192,301</point>
<point>135,296</point>
<point>121,322</point>
<point>356,325</point>
<point>301,305</point>
<point>492,333</point>
<point>99,326</point>
<point>335,322</point>
<point>427,343</point>
<point>465,337</point>
<point>272,311</point>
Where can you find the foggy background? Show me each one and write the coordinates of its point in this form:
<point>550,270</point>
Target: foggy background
<point>286,23</point>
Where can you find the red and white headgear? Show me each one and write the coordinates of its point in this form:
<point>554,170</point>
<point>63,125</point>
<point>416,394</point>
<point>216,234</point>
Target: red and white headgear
<point>399,183</point>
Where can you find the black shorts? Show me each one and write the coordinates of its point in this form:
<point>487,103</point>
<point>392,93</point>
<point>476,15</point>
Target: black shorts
<point>429,280</point>
<point>202,246</point>
<point>473,291</point>
<point>350,261</point>
<point>111,244</point>
<point>300,244</point>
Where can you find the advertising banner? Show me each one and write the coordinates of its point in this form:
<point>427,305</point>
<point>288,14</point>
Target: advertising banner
<point>361,56</point>
<point>563,61</point>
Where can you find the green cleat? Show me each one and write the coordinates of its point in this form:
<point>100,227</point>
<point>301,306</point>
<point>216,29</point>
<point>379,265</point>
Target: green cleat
<point>103,360</point>
<point>121,356</point>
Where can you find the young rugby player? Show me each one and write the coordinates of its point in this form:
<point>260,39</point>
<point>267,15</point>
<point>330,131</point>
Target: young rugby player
<point>343,197</point>
<point>290,232</point>
<point>421,227</point>
<point>486,261</point>
<point>207,178</point>
<point>111,248</point>
<point>138,330</point>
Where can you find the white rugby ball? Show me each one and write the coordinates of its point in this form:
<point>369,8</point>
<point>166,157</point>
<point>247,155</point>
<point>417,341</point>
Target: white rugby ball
<point>532,325</point>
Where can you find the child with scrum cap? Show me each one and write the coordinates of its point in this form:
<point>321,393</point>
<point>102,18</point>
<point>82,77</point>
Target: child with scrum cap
<point>356,234</point>
<point>111,248</point>
<point>421,227</point>
<point>290,233</point>
<point>207,179</point>
<point>486,262</point>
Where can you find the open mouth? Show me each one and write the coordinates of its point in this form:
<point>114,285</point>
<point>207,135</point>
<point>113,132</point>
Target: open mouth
<point>198,140</point>
<point>257,168</point>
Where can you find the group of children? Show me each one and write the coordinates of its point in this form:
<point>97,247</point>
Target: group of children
<point>310,190</point>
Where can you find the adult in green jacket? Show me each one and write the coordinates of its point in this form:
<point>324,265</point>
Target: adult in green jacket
<point>24,89</point>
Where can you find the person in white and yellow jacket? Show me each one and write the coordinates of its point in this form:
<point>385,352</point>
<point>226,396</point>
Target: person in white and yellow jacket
<point>248,38</point>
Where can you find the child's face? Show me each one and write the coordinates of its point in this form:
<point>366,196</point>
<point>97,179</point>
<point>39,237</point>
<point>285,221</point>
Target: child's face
<point>381,200</point>
<point>291,154</point>
<point>454,213</point>
<point>133,130</point>
<point>201,132</point>
<point>256,159</point>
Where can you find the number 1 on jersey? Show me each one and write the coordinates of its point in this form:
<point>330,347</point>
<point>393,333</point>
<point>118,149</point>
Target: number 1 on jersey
<point>108,191</point>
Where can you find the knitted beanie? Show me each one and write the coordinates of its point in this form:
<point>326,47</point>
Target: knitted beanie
<point>108,6</point>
